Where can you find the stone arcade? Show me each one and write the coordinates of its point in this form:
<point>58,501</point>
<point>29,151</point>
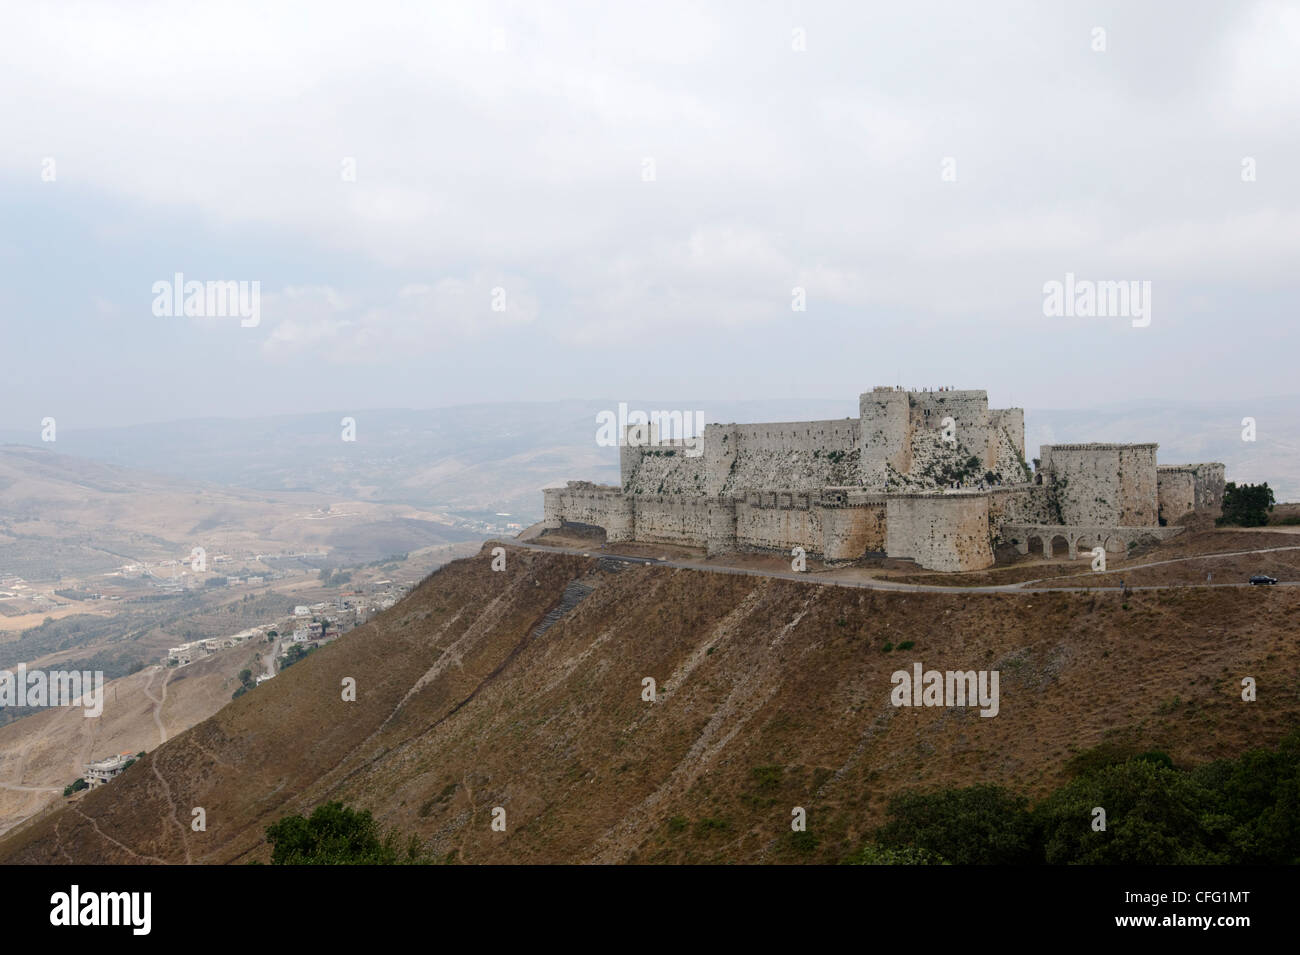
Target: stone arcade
<point>937,477</point>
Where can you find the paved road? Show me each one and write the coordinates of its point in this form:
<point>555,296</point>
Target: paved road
<point>1020,587</point>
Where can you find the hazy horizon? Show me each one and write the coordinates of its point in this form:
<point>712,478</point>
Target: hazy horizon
<point>10,429</point>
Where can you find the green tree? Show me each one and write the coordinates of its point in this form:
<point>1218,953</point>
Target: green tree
<point>979,825</point>
<point>334,834</point>
<point>1258,794</point>
<point>1247,505</point>
<point>294,654</point>
<point>1154,816</point>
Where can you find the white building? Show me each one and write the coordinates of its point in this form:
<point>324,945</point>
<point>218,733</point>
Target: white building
<point>101,771</point>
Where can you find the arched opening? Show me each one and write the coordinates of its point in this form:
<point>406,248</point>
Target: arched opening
<point>1035,544</point>
<point>1058,546</point>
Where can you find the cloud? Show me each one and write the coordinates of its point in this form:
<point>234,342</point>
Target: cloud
<point>320,321</point>
<point>501,144</point>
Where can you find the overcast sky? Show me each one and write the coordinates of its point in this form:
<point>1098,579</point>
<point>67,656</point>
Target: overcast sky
<point>507,146</point>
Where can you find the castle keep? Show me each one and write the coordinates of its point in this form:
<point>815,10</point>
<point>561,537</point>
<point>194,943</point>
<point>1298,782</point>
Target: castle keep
<point>937,477</point>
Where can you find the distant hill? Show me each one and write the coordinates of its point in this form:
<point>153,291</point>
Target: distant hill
<point>62,514</point>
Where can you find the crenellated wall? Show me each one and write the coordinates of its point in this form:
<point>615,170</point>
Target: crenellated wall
<point>778,520</point>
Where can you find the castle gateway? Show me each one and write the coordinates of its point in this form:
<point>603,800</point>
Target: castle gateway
<point>937,477</point>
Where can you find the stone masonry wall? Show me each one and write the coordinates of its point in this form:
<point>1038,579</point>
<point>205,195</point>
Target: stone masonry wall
<point>778,520</point>
<point>896,443</point>
<point>1176,491</point>
<point>666,471</point>
<point>1023,504</point>
<point>1010,421</point>
<point>806,456</point>
<point>668,520</point>
<point>599,505</point>
<point>885,435</point>
<point>818,484</point>
<point>1184,488</point>
<point>948,532</point>
<point>849,532</point>
<point>1102,484</point>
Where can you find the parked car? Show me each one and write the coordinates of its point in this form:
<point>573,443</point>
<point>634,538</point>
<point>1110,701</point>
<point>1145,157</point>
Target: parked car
<point>1263,579</point>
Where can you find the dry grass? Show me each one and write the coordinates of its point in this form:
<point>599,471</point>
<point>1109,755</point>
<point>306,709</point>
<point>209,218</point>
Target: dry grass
<point>772,694</point>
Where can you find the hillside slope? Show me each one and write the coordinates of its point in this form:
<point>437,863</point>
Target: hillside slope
<point>42,753</point>
<point>771,694</point>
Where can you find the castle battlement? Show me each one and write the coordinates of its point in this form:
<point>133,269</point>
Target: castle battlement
<point>1098,446</point>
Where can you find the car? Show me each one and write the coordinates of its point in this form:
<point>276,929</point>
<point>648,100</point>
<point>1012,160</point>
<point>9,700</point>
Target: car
<point>1263,579</point>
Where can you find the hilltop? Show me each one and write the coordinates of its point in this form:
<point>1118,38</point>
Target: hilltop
<point>771,694</point>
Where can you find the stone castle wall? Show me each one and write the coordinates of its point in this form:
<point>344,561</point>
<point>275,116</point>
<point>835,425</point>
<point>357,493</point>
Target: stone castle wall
<point>1023,504</point>
<point>1010,421</point>
<point>1189,488</point>
<point>1102,484</point>
<point>948,532</point>
<point>778,520</point>
<point>851,530</point>
<point>846,488</point>
<point>803,456</point>
<point>672,520</point>
<point>598,505</point>
<point>884,435</point>
<point>901,436</point>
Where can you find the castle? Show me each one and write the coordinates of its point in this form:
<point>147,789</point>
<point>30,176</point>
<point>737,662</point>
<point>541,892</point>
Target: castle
<point>937,477</point>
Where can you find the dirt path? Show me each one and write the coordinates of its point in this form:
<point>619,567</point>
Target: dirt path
<point>158,702</point>
<point>32,789</point>
<point>171,805</point>
<point>873,583</point>
<point>1173,560</point>
<point>107,838</point>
